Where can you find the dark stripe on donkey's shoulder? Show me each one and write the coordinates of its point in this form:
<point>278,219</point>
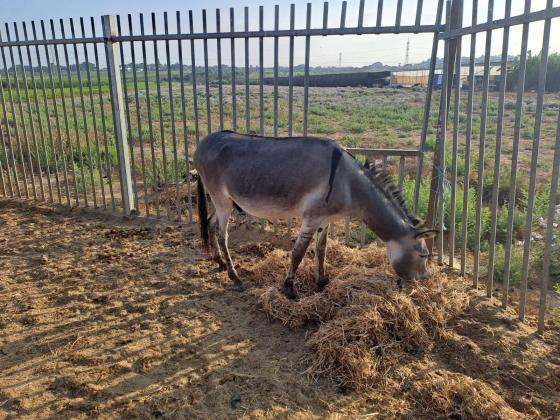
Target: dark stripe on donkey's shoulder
<point>335,160</point>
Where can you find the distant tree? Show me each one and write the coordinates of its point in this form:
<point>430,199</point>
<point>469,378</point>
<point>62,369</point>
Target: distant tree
<point>532,73</point>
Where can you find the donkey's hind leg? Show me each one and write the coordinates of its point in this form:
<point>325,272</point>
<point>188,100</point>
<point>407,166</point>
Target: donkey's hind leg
<point>306,233</point>
<point>320,248</point>
<point>213,229</point>
<point>223,214</point>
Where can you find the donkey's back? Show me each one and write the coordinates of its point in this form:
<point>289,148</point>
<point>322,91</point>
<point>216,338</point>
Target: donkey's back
<point>270,177</point>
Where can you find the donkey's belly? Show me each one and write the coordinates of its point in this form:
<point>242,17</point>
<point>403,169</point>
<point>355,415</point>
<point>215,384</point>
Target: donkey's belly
<point>273,207</point>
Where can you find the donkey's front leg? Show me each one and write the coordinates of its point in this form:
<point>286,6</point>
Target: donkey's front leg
<point>305,235</point>
<point>320,248</point>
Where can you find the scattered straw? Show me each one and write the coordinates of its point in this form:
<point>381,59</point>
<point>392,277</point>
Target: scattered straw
<point>444,394</point>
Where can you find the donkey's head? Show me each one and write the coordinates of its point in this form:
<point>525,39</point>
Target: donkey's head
<point>409,254</point>
<point>406,246</point>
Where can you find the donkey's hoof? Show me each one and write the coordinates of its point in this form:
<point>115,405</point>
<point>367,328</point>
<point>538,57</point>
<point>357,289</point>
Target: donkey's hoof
<point>238,286</point>
<point>290,293</point>
<point>321,284</point>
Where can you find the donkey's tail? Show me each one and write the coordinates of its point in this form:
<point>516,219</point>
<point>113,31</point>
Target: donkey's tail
<point>203,215</point>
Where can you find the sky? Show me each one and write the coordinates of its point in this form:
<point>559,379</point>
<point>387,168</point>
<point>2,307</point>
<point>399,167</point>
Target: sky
<point>325,51</point>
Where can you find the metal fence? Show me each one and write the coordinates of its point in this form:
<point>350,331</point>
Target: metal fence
<point>109,135</point>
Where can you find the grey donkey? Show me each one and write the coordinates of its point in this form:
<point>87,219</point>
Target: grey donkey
<point>310,178</point>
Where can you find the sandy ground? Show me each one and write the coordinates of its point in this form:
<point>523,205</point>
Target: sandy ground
<point>111,318</point>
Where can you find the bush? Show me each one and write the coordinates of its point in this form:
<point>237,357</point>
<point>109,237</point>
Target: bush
<point>516,264</point>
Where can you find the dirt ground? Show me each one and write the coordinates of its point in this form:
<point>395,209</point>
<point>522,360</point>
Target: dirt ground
<point>110,318</point>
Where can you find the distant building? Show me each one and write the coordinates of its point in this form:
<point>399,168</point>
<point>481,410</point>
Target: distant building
<point>420,77</point>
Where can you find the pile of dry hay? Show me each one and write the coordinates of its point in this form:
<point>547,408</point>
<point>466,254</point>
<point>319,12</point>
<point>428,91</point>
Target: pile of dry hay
<point>367,325</point>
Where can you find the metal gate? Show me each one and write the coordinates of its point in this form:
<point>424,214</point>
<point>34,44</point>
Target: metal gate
<point>117,136</point>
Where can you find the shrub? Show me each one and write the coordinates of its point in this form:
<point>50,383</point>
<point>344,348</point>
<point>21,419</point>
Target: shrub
<point>516,263</point>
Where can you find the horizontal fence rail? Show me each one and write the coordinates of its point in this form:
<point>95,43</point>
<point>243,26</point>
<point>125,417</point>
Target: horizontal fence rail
<point>106,113</point>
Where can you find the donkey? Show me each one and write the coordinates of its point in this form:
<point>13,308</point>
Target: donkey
<point>311,178</point>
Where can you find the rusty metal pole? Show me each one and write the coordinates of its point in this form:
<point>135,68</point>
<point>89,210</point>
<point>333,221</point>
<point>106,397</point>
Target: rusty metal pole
<point>453,8</point>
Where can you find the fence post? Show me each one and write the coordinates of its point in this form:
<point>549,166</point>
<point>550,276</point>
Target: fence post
<point>117,108</point>
<point>438,167</point>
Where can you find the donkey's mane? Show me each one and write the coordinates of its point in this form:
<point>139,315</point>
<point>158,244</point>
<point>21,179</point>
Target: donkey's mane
<point>384,183</point>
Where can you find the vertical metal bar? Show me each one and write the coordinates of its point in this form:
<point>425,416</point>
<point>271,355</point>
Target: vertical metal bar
<point>65,116</point>
<point>482,147</point>
<point>306,72</point>
<point>193,73</point>
<point>455,143</point>
<point>438,166</point>
<point>10,148</point>
<point>418,19</point>
<point>261,71</point>
<point>261,85</point>
<point>343,15</point>
<point>497,155</point>
<point>361,14</point>
<point>138,119</point>
<point>291,85</point>
<point>2,167</point>
<point>325,15</point>
<point>38,113</point>
<point>75,117</point>
<point>534,163</point>
<point>184,119</point>
<point>545,277</point>
<point>206,80</point>
<point>172,111</point>
<point>427,107</point>
<point>247,89</point>
<point>127,115</point>
<point>13,109</point>
<point>66,121</point>
<point>117,107</point>
<point>94,119</point>
<point>514,156</point>
<point>454,158</point>
<point>291,72</point>
<point>108,169</point>
<point>233,73</point>
<point>275,94</point>
<point>31,120</point>
<point>57,119</point>
<point>384,164</point>
<point>380,13</point>
<point>161,130</point>
<point>220,81</point>
<point>6,153</point>
<point>233,88</point>
<point>401,172</point>
<point>84,118</point>
<point>468,140</point>
<point>399,13</point>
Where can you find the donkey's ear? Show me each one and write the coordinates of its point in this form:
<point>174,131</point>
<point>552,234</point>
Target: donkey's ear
<point>426,234</point>
<point>416,221</point>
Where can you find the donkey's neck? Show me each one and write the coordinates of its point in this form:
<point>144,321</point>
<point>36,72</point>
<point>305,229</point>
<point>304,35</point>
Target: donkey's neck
<point>378,212</point>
